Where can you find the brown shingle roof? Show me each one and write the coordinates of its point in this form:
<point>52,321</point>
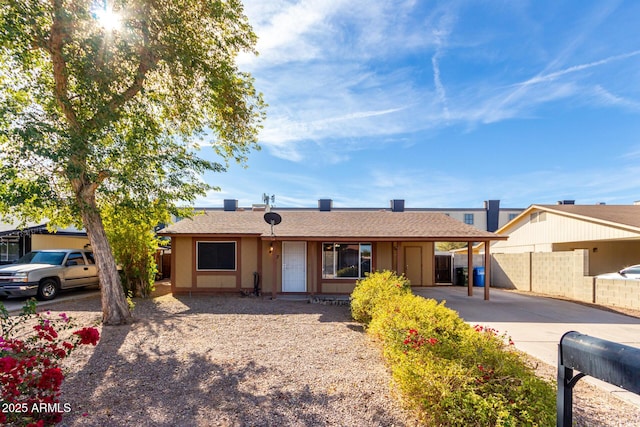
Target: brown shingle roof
<point>619,214</point>
<point>360,224</point>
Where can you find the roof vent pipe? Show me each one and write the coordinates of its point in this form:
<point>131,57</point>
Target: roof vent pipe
<point>230,205</point>
<point>325,205</point>
<point>397,205</point>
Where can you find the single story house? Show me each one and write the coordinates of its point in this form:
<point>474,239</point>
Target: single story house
<point>311,251</point>
<point>609,233</point>
<point>561,249</point>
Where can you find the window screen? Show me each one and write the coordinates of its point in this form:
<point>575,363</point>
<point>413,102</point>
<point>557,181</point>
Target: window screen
<point>216,256</point>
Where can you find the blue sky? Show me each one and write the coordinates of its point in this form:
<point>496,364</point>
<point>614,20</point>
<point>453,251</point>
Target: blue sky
<point>443,103</point>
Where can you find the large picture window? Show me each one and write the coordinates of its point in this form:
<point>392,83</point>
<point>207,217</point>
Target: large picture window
<point>345,260</point>
<point>216,255</point>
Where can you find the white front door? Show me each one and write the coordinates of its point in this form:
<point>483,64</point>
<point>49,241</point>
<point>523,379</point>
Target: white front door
<point>294,266</point>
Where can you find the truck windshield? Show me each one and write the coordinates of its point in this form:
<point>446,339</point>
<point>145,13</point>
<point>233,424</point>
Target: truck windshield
<point>53,258</point>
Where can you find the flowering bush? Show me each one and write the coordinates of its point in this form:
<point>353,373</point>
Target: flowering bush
<point>376,288</point>
<point>30,354</point>
<point>453,373</point>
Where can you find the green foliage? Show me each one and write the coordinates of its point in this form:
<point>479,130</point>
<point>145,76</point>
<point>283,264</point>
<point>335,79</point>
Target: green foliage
<point>448,246</point>
<point>375,289</point>
<point>32,346</point>
<point>130,230</point>
<point>90,117</point>
<point>8,323</point>
<point>454,374</point>
<point>127,108</point>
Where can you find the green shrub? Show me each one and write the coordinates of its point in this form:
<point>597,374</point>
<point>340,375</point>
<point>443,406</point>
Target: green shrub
<point>451,373</point>
<point>377,287</point>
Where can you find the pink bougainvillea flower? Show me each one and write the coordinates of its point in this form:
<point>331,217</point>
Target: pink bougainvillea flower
<point>51,379</point>
<point>88,335</point>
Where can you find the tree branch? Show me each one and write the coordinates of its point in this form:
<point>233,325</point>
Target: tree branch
<point>148,61</point>
<point>55,46</point>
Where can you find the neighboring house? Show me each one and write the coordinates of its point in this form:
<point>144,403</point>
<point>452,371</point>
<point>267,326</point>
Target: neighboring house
<point>610,233</point>
<point>489,218</point>
<point>15,241</point>
<point>558,249</point>
<point>312,251</point>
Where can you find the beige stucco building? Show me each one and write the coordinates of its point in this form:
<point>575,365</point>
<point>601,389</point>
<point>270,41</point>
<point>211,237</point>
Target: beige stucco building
<point>609,233</point>
<point>16,241</point>
<point>561,249</point>
<point>311,251</point>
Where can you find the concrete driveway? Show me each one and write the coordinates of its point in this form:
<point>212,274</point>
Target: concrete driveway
<point>15,304</point>
<point>536,324</point>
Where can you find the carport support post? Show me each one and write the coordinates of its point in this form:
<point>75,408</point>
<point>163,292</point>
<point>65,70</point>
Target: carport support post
<point>487,269</point>
<point>470,268</point>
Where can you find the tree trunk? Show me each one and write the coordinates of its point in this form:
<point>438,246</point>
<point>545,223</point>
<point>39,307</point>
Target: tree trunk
<point>115,310</point>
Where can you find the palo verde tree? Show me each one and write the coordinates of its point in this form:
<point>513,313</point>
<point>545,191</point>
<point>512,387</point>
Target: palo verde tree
<point>108,102</point>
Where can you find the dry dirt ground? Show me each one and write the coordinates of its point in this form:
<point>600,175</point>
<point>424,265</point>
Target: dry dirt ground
<point>234,361</point>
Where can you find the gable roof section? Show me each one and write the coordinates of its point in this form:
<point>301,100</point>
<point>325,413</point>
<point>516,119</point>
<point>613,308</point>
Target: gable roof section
<point>616,215</point>
<point>619,216</point>
<point>316,225</point>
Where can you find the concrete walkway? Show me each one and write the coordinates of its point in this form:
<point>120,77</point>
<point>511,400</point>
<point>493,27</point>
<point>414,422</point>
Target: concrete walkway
<point>536,324</point>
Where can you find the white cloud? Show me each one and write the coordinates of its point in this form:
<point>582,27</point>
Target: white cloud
<point>326,69</point>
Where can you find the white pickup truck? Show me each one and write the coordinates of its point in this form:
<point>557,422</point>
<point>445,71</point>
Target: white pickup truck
<point>43,273</point>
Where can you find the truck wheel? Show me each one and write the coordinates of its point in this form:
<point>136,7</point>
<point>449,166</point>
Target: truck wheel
<point>47,290</point>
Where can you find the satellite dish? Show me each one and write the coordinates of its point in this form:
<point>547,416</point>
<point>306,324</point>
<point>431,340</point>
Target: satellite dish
<point>272,218</point>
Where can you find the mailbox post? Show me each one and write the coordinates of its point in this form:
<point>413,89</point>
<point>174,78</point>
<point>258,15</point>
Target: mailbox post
<point>615,363</point>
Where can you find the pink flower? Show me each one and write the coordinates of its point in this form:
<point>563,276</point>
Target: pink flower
<point>88,335</point>
<point>7,363</point>
<point>51,379</point>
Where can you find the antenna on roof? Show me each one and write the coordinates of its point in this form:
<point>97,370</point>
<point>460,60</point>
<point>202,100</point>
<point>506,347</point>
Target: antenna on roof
<point>269,200</point>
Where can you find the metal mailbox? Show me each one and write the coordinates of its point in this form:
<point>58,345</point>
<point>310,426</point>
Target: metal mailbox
<point>615,363</point>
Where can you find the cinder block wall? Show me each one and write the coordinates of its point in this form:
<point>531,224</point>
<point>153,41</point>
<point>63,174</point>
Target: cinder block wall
<point>564,274</point>
<point>511,271</point>
<point>618,293</point>
<point>560,273</point>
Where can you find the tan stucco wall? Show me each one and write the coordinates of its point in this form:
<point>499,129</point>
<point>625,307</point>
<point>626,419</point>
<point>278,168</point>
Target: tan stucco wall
<point>216,281</point>
<point>313,266</point>
<point>550,229</point>
<point>254,256</point>
<point>54,241</point>
<point>384,256</point>
<point>182,270</point>
<point>338,288</point>
<point>606,257</point>
<point>248,261</point>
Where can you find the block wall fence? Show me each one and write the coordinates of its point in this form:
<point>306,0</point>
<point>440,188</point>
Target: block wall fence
<point>564,274</point>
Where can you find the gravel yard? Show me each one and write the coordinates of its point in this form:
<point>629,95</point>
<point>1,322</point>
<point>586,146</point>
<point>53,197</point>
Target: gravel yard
<point>233,361</point>
<point>230,361</point>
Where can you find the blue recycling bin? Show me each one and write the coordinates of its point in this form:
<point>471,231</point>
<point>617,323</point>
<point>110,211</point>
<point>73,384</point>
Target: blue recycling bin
<point>478,276</point>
